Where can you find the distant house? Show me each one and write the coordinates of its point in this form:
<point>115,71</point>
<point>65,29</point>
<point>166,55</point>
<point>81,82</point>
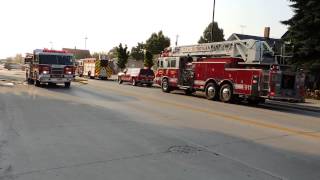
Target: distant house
<point>78,53</point>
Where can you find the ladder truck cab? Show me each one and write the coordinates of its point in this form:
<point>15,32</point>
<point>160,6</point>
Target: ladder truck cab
<point>50,66</point>
<point>229,71</point>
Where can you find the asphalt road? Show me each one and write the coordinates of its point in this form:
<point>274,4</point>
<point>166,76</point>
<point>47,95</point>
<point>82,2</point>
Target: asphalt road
<point>103,130</point>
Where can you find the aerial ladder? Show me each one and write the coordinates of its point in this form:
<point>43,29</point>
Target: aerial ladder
<point>250,50</point>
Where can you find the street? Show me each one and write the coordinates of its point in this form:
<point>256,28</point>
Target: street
<point>103,130</point>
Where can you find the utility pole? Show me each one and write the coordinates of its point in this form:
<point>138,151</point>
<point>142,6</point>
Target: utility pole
<point>212,28</point>
<point>85,42</point>
<point>177,38</point>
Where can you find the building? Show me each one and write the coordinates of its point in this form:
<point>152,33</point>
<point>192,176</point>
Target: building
<point>78,53</point>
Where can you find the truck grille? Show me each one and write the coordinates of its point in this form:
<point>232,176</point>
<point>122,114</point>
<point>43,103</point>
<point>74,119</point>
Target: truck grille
<point>56,71</point>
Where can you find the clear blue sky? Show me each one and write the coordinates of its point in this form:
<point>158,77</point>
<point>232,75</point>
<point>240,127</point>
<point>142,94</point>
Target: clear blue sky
<point>31,24</point>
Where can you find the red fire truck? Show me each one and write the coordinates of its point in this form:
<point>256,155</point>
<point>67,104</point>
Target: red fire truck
<point>50,66</point>
<point>229,71</point>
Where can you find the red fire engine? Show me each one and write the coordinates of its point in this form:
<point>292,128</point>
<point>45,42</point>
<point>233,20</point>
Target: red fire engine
<point>229,71</point>
<point>50,66</point>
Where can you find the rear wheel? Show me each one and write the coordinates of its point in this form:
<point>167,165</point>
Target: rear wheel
<point>67,84</point>
<point>37,83</point>
<point>165,85</point>
<point>211,91</point>
<point>134,83</point>
<point>226,93</point>
<point>119,80</point>
<point>30,81</point>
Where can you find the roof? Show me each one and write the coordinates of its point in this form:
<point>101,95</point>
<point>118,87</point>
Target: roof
<point>78,53</point>
<point>270,41</point>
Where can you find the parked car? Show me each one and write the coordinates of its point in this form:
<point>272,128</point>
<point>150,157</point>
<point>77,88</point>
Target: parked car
<point>136,76</point>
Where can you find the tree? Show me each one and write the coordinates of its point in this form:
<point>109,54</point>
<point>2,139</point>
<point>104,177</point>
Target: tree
<point>148,59</point>
<point>95,55</point>
<point>207,34</point>
<point>112,53</point>
<point>157,43</point>
<point>137,52</point>
<point>122,55</point>
<point>303,34</point>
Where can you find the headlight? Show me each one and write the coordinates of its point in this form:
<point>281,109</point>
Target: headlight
<point>45,72</point>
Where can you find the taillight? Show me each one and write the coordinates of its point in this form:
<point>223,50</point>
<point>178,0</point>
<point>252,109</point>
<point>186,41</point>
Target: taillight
<point>68,70</point>
<point>44,70</point>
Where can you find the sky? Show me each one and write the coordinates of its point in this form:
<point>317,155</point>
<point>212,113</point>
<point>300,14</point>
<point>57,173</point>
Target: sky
<point>33,24</point>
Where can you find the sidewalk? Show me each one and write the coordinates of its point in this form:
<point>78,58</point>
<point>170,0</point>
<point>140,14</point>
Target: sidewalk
<point>308,105</point>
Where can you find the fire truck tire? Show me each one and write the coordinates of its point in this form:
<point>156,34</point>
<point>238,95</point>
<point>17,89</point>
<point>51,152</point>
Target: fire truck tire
<point>30,81</point>
<point>119,80</point>
<point>226,93</point>
<point>67,84</point>
<point>37,83</point>
<point>165,85</point>
<point>212,91</point>
<point>134,82</point>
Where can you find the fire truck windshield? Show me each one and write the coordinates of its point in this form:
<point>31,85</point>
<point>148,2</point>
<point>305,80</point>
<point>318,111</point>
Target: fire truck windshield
<point>56,59</point>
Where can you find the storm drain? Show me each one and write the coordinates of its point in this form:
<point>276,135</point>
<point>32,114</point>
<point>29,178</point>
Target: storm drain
<point>184,149</point>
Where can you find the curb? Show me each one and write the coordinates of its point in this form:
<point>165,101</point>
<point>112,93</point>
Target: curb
<point>294,106</point>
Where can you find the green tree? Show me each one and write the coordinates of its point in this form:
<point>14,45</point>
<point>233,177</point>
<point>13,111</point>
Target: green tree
<point>304,27</point>
<point>148,59</point>
<point>157,43</point>
<point>303,34</point>
<point>207,34</point>
<point>137,52</point>
<point>95,55</point>
<point>122,56</point>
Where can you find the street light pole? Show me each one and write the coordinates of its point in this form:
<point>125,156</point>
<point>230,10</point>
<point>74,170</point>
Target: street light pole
<point>214,6</point>
<point>85,42</point>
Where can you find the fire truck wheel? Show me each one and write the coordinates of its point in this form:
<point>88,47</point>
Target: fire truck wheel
<point>30,81</point>
<point>37,83</point>
<point>165,85</point>
<point>67,84</point>
<point>134,83</point>
<point>211,91</point>
<point>119,80</point>
<point>226,93</point>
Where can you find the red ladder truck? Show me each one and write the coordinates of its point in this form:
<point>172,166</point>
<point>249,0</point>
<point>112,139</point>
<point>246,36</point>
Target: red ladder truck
<point>229,71</point>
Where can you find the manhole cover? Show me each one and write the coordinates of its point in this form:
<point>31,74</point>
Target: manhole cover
<point>184,149</point>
